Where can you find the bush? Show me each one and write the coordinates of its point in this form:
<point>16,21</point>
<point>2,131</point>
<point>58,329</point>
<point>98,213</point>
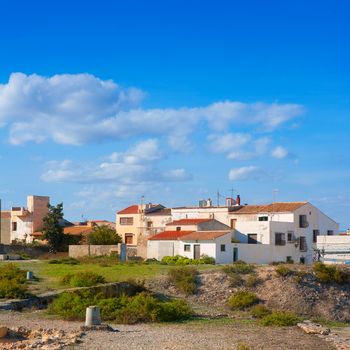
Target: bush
<point>242,346</point>
<point>283,271</point>
<point>239,267</point>
<point>12,282</point>
<point>11,272</point>
<point>66,261</point>
<point>280,319</point>
<point>83,279</point>
<point>252,281</point>
<point>260,311</point>
<point>142,307</point>
<point>242,300</point>
<point>329,273</point>
<point>181,260</point>
<point>235,279</point>
<point>104,235</point>
<point>184,279</point>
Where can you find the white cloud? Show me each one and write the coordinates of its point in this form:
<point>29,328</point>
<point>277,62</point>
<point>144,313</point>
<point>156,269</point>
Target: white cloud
<point>279,152</point>
<point>77,109</point>
<point>243,173</point>
<point>137,165</point>
<point>228,142</point>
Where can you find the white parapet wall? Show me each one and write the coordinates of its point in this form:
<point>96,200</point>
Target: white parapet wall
<point>334,249</point>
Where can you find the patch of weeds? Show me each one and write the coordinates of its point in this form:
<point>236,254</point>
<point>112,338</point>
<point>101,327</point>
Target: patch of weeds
<point>252,281</point>
<point>184,279</point>
<point>235,280</point>
<point>243,346</point>
<point>12,282</point>
<point>66,261</point>
<point>280,319</point>
<point>83,279</point>
<point>260,311</point>
<point>299,276</point>
<point>329,323</point>
<point>181,260</point>
<point>329,273</point>
<point>242,300</point>
<point>283,271</point>
<point>239,267</point>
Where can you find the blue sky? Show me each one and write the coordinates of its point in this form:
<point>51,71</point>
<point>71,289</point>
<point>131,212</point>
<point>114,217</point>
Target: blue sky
<point>102,102</point>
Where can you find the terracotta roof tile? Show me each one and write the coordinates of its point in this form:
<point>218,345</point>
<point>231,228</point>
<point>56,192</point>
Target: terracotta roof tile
<point>269,208</point>
<point>133,209</point>
<point>187,222</point>
<point>169,235</point>
<point>77,230</point>
<point>204,235</point>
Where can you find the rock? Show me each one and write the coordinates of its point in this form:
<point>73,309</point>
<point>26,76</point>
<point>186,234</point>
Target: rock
<point>3,332</point>
<point>313,328</point>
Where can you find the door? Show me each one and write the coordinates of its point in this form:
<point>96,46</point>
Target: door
<point>235,254</point>
<point>197,251</point>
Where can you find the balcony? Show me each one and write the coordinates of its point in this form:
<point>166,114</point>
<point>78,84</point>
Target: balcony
<point>19,211</point>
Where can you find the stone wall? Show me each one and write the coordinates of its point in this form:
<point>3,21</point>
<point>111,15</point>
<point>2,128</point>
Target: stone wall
<point>17,249</point>
<point>77,251</point>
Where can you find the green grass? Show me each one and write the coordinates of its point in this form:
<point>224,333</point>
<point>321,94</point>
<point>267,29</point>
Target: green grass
<point>50,275</point>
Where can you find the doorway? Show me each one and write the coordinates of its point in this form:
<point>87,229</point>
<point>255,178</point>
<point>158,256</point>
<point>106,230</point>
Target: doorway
<point>235,254</point>
<point>197,251</point>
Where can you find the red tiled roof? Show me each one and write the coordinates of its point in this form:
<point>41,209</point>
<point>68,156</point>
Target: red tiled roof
<point>204,235</point>
<point>169,235</point>
<point>187,222</point>
<point>77,230</point>
<point>133,209</point>
<point>269,208</point>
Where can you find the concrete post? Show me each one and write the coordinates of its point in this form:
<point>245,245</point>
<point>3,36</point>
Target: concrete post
<point>29,275</point>
<point>93,317</point>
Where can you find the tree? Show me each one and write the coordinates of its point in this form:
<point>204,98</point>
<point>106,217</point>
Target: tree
<point>103,235</point>
<point>52,230</point>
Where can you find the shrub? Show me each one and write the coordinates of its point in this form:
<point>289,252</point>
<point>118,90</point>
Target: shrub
<point>242,300</point>
<point>280,319</point>
<point>11,272</point>
<point>283,271</point>
<point>184,279</point>
<point>83,279</point>
<point>260,311</point>
<point>12,282</point>
<point>142,307</point>
<point>239,267</point>
<point>329,273</point>
<point>252,281</point>
<point>242,346</point>
<point>181,260</point>
<point>104,235</point>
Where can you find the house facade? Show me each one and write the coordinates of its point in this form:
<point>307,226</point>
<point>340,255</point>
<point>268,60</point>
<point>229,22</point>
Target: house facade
<point>25,221</point>
<point>334,249</point>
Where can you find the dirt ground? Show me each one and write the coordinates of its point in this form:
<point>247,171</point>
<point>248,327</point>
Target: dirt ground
<point>201,335</point>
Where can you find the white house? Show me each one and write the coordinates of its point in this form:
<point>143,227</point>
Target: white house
<point>333,249</point>
<point>192,238</point>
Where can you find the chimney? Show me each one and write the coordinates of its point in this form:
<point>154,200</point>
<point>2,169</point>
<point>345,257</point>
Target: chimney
<point>209,202</point>
<point>238,200</point>
<point>229,202</point>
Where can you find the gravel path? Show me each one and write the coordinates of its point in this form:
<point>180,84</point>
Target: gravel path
<point>213,335</point>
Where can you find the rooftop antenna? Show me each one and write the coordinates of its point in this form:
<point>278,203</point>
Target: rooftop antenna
<point>218,197</point>
<point>232,190</point>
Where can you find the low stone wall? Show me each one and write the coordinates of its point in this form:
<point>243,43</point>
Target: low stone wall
<point>109,290</point>
<point>77,251</point>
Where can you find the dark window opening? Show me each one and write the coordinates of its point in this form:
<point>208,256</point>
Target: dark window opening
<point>252,238</point>
<point>263,218</point>
<point>223,247</point>
<point>279,238</point>
<point>187,247</point>
<point>315,233</point>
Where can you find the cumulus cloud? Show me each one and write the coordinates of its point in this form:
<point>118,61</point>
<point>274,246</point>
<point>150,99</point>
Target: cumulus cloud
<point>243,173</point>
<point>77,109</point>
<point>136,165</point>
<point>279,152</point>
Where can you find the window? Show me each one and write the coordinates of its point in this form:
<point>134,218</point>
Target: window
<point>126,221</point>
<point>289,259</point>
<point>302,244</point>
<point>187,247</point>
<point>315,233</point>
<point>290,236</point>
<point>302,260</point>
<point>223,247</point>
<point>149,224</point>
<point>252,238</point>
<point>263,218</point>
<point>14,226</point>
<point>129,238</point>
<point>279,239</point>
<point>330,233</point>
<point>303,221</point>
<point>178,228</point>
